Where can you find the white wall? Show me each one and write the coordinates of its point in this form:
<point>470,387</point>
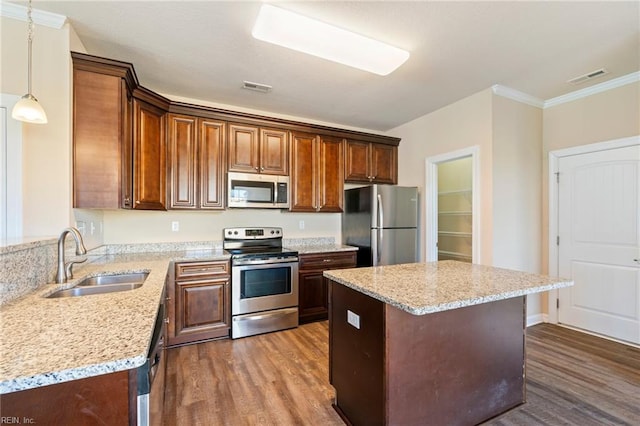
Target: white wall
<point>46,148</point>
<point>460,125</point>
<point>123,226</point>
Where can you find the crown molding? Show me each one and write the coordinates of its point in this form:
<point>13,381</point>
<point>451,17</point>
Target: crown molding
<point>592,90</point>
<point>40,17</point>
<point>516,95</point>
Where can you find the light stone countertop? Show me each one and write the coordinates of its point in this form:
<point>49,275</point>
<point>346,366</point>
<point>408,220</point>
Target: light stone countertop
<point>324,248</point>
<point>424,288</point>
<point>46,341</point>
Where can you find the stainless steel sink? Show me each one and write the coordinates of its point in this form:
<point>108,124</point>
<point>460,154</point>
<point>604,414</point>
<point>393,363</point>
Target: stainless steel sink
<point>100,280</point>
<point>102,284</point>
<point>95,289</point>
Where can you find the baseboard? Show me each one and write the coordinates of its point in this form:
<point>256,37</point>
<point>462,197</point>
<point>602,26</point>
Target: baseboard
<point>534,319</point>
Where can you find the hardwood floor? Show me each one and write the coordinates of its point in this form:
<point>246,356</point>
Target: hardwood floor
<point>282,379</point>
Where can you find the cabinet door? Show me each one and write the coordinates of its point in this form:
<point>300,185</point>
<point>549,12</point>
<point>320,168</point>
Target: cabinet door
<point>274,152</point>
<point>330,174</point>
<point>212,164</point>
<point>313,301</point>
<point>384,163</point>
<point>182,148</point>
<point>149,157</point>
<point>243,149</point>
<point>96,140</point>
<point>126,198</point>
<point>357,162</point>
<point>201,310</point>
<point>303,173</point>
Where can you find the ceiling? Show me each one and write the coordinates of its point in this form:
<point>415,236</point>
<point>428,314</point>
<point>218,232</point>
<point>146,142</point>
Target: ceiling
<point>204,50</point>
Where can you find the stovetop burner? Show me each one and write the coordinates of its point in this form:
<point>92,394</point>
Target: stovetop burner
<point>256,243</point>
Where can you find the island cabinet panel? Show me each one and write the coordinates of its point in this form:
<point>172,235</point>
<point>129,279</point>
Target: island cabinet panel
<point>313,287</point>
<point>258,150</point>
<point>455,367</point>
<point>150,157</point>
<point>108,399</point>
<point>371,162</point>
<point>201,306</point>
<point>196,151</point>
<point>317,175</point>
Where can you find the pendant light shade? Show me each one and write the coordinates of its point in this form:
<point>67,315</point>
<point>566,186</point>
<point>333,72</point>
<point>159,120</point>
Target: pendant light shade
<point>28,109</point>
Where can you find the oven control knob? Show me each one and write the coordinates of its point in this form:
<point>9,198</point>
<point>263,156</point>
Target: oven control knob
<point>272,232</point>
<point>235,232</point>
<point>278,231</point>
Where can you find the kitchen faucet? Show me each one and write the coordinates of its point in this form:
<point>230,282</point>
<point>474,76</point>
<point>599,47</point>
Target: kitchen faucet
<point>64,269</point>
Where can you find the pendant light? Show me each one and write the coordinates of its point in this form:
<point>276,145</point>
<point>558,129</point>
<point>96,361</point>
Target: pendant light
<point>27,108</point>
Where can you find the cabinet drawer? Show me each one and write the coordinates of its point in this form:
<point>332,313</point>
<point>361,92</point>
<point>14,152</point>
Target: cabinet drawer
<point>191,270</point>
<point>328,260</point>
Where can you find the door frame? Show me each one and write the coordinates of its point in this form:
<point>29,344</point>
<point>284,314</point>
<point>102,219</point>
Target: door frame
<point>554,159</point>
<point>431,201</point>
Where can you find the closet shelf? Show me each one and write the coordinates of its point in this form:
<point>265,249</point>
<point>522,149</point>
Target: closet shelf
<point>453,253</point>
<point>454,234</point>
<point>455,213</point>
<point>459,191</point>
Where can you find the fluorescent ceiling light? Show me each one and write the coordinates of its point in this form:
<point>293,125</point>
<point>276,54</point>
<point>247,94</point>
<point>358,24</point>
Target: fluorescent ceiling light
<point>297,32</point>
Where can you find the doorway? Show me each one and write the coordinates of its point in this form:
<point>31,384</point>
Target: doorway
<point>597,221</point>
<point>452,206</point>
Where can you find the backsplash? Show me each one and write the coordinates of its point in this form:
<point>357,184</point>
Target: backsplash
<point>28,266</point>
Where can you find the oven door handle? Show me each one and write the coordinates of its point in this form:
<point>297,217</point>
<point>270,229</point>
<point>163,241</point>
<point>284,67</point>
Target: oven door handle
<point>240,262</point>
<point>272,314</point>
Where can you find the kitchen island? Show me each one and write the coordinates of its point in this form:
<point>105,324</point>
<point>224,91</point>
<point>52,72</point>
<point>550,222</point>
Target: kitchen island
<point>429,343</point>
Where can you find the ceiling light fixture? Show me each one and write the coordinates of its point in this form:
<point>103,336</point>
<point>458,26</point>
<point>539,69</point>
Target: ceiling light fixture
<point>27,108</point>
<point>297,32</point>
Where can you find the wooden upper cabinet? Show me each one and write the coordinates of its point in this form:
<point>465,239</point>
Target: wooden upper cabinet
<point>384,163</point>
<point>330,174</point>
<point>258,150</point>
<point>212,145</point>
<point>182,151</point>
<point>371,162</point>
<point>317,173</point>
<point>101,141</point>
<point>196,148</point>
<point>149,157</point>
<point>303,173</point>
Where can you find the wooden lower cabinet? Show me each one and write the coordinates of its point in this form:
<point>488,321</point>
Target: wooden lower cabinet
<point>313,299</point>
<point>201,308</point>
<point>108,399</point>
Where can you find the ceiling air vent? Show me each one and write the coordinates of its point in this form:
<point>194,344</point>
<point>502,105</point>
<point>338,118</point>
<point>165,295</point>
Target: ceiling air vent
<point>588,76</point>
<point>258,87</point>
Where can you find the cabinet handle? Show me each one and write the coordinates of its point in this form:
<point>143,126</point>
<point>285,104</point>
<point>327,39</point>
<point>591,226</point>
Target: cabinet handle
<point>166,320</point>
<point>326,260</point>
<point>127,201</point>
<point>257,168</point>
<point>262,168</point>
<point>137,201</point>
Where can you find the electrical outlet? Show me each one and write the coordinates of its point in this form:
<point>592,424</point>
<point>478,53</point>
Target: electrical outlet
<point>175,226</point>
<point>82,227</point>
<point>353,319</point>
<point>92,228</point>
<point>301,224</point>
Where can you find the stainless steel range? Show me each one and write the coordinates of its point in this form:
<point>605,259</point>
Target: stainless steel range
<point>264,281</point>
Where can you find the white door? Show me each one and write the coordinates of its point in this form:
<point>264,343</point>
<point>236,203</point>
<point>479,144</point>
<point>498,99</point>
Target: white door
<point>599,230</point>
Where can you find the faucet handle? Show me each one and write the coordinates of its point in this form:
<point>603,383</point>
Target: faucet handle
<point>68,266</point>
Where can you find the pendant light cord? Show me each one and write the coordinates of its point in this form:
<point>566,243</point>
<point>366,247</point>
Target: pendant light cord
<point>29,42</point>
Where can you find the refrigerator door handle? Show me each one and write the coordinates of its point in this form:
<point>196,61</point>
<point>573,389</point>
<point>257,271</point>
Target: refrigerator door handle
<point>380,235</point>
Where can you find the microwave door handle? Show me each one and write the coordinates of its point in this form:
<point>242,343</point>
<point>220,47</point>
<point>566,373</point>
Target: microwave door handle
<point>275,193</point>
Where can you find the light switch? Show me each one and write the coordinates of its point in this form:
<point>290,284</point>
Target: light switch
<point>175,226</point>
<point>353,319</point>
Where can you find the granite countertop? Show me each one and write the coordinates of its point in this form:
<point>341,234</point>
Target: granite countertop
<point>424,288</point>
<point>46,341</point>
<point>321,248</point>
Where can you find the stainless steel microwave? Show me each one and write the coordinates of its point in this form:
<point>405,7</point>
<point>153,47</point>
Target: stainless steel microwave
<point>247,190</point>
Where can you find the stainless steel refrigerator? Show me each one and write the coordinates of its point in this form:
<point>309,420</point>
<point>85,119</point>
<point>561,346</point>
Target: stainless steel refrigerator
<point>382,221</point>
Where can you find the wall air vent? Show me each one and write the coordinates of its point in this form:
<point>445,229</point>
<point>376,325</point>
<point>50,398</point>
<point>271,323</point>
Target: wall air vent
<point>258,87</point>
<point>588,76</point>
